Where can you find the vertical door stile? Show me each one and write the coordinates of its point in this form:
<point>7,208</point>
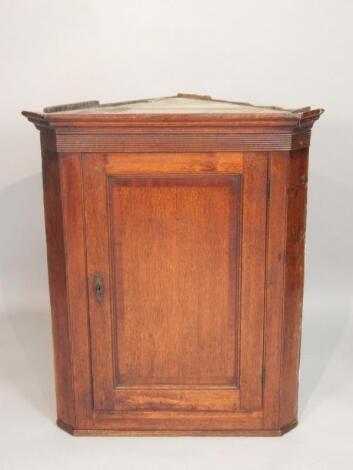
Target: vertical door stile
<point>253,279</point>
<point>98,274</point>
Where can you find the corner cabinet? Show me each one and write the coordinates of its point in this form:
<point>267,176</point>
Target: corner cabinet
<point>175,237</point>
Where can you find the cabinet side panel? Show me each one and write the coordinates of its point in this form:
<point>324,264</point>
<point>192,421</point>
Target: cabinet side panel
<point>296,217</point>
<point>74,233</point>
<point>57,286</point>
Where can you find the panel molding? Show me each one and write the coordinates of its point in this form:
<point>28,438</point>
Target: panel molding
<point>211,178</point>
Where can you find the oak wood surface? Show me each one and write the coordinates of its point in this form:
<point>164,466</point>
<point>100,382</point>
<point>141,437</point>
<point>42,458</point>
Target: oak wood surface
<point>163,328</point>
<point>293,303</point>
<point>175,258</point>
<point>174,433</point>
<point>54,227</point>
<point>173,163</point>
<point>77,297</point>
<point>253,279</point>
<point>275,284</point>
<point>176,278</point>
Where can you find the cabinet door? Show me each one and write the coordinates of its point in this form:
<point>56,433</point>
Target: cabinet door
<point>175,247</point>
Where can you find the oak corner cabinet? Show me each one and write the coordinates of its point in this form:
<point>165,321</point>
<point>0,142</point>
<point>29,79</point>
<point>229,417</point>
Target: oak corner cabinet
<point>175,241</point>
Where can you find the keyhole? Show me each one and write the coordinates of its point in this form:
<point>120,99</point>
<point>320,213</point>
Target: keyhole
<point>98,286</point>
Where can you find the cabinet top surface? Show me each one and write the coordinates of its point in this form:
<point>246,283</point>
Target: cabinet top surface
<point>180,104</point>
<point>172,106</point>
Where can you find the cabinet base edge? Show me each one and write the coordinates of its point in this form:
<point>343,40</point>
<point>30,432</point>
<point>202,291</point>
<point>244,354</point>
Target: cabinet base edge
<point>177,432</point>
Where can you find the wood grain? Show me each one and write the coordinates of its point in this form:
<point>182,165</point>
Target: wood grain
<point>118,164</point>
<point>176,256</point>
<point>176,250</point>
<point>253,279</point>
<point>275,284</point>
<point>75,253</point>
<point>179,420</point>
<point>178,398</point>
<point>293,304</point>
<point>58,287</point>
<point>98,261</point>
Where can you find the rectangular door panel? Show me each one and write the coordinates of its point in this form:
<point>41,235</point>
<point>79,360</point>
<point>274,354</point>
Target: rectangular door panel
<point>175,251</point>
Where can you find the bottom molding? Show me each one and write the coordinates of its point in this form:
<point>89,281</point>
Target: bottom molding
<point>203,432</point>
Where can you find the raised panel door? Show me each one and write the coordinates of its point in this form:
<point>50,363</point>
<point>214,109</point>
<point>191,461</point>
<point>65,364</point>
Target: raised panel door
<point>176,258</point>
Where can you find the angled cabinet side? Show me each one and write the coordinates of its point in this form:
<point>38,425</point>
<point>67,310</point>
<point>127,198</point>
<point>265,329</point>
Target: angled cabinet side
<point>288,173</point>
<point>294,283</point>
<point>54,227</point>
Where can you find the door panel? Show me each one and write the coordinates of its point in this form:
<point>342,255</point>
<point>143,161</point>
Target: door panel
<point>179,324</point>
<point>175,250</point>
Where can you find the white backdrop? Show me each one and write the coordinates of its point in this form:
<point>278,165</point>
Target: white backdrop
<point>274,52</point>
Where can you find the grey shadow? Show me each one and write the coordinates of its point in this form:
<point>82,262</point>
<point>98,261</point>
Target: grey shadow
<point>328,284</point>
<point>24,288</point>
